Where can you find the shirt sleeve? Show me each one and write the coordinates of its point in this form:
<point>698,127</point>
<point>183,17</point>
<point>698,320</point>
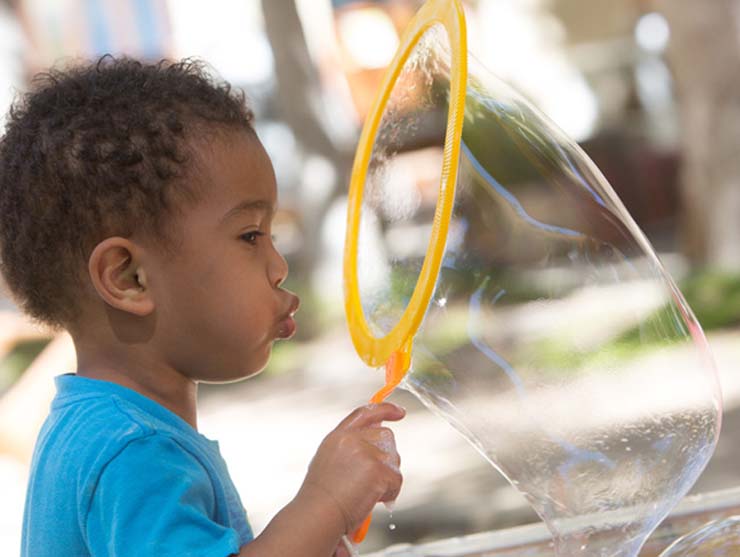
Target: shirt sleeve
<point>155,499</point>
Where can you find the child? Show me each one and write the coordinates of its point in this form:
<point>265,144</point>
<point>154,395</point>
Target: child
<point>135,209</point>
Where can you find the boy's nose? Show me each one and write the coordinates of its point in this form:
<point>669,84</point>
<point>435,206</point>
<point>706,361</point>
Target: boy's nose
<point>278,269</point>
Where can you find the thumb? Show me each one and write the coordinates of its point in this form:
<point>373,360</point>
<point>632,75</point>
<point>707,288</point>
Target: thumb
<point>372,414</point>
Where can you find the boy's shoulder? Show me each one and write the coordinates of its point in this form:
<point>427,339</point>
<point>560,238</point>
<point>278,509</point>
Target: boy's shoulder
<point>90,410</point>
<point>91,421</point>
<point>109,459</point>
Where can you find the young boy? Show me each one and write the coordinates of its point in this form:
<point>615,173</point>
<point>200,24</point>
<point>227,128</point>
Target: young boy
<point>135,210</point>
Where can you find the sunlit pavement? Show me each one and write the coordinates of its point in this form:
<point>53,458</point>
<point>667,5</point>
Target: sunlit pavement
<point>269,428</point>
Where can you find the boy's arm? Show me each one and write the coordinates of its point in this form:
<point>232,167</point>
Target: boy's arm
<point>355,467</point>
<point>308,526</point>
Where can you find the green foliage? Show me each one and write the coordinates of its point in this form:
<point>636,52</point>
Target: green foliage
<point>17,361</point>
<point>713,296</point>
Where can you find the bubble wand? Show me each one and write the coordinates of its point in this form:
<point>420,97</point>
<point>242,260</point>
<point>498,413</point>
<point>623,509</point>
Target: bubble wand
<point>394,349</point>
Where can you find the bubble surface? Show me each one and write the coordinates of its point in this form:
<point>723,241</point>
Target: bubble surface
<point>719,538</point>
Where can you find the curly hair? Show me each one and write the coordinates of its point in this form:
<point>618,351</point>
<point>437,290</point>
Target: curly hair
<point>93,151</point>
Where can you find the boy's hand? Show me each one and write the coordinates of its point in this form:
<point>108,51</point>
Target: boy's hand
<point>341,551</point>
<point>357,465</point>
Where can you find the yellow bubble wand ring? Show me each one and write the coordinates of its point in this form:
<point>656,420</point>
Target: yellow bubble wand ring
<point>394,349</point>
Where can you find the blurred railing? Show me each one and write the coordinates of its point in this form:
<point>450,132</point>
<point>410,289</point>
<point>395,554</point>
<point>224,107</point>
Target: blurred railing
<point>534,540</point>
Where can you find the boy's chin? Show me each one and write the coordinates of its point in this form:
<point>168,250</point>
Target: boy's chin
<point>229,379</point>
<point>236,375</point>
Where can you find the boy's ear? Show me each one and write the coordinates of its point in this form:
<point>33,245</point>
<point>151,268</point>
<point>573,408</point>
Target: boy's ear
<point>119,277</point>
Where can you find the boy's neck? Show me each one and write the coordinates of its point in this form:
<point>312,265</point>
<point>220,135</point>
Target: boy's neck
<point>137,372</point>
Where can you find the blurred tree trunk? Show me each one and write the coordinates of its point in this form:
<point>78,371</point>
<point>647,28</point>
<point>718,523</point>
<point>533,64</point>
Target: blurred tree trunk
<point>298,95</point>
<point>298,81</point>
<point>705,57</point>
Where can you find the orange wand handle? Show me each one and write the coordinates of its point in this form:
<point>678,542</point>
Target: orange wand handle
<point>395,369</point>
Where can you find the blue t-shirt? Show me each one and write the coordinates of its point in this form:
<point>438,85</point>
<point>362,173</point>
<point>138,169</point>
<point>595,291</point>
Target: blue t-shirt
<point>116,474</point>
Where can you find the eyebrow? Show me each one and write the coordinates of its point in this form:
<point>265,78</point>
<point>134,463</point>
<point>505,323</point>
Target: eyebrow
<point>247,206</point>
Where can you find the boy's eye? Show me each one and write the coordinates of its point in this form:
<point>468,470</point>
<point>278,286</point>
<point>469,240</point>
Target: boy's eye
<point>251,237</point>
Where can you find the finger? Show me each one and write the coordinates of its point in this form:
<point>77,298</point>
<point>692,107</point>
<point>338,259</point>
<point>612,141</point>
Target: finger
<point>381,437</point>
<point>390,460</point>
<point>341,551</point>
<point>394,483</point>
<point>373,414</point>
<point>394,460</point>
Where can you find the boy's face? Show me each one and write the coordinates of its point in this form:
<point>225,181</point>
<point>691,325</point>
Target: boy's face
<point>219,305</point>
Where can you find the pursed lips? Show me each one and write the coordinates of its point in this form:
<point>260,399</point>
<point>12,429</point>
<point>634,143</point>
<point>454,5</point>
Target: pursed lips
<point>294,305</point>
<point>286,325</point>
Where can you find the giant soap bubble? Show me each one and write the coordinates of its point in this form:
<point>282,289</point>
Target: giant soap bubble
<point>518,292</point>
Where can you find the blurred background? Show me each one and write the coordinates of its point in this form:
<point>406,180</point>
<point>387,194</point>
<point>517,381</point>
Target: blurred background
<point>649,89</point>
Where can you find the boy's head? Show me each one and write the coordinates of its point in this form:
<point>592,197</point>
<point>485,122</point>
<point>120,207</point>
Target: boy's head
<point>111,176</point>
